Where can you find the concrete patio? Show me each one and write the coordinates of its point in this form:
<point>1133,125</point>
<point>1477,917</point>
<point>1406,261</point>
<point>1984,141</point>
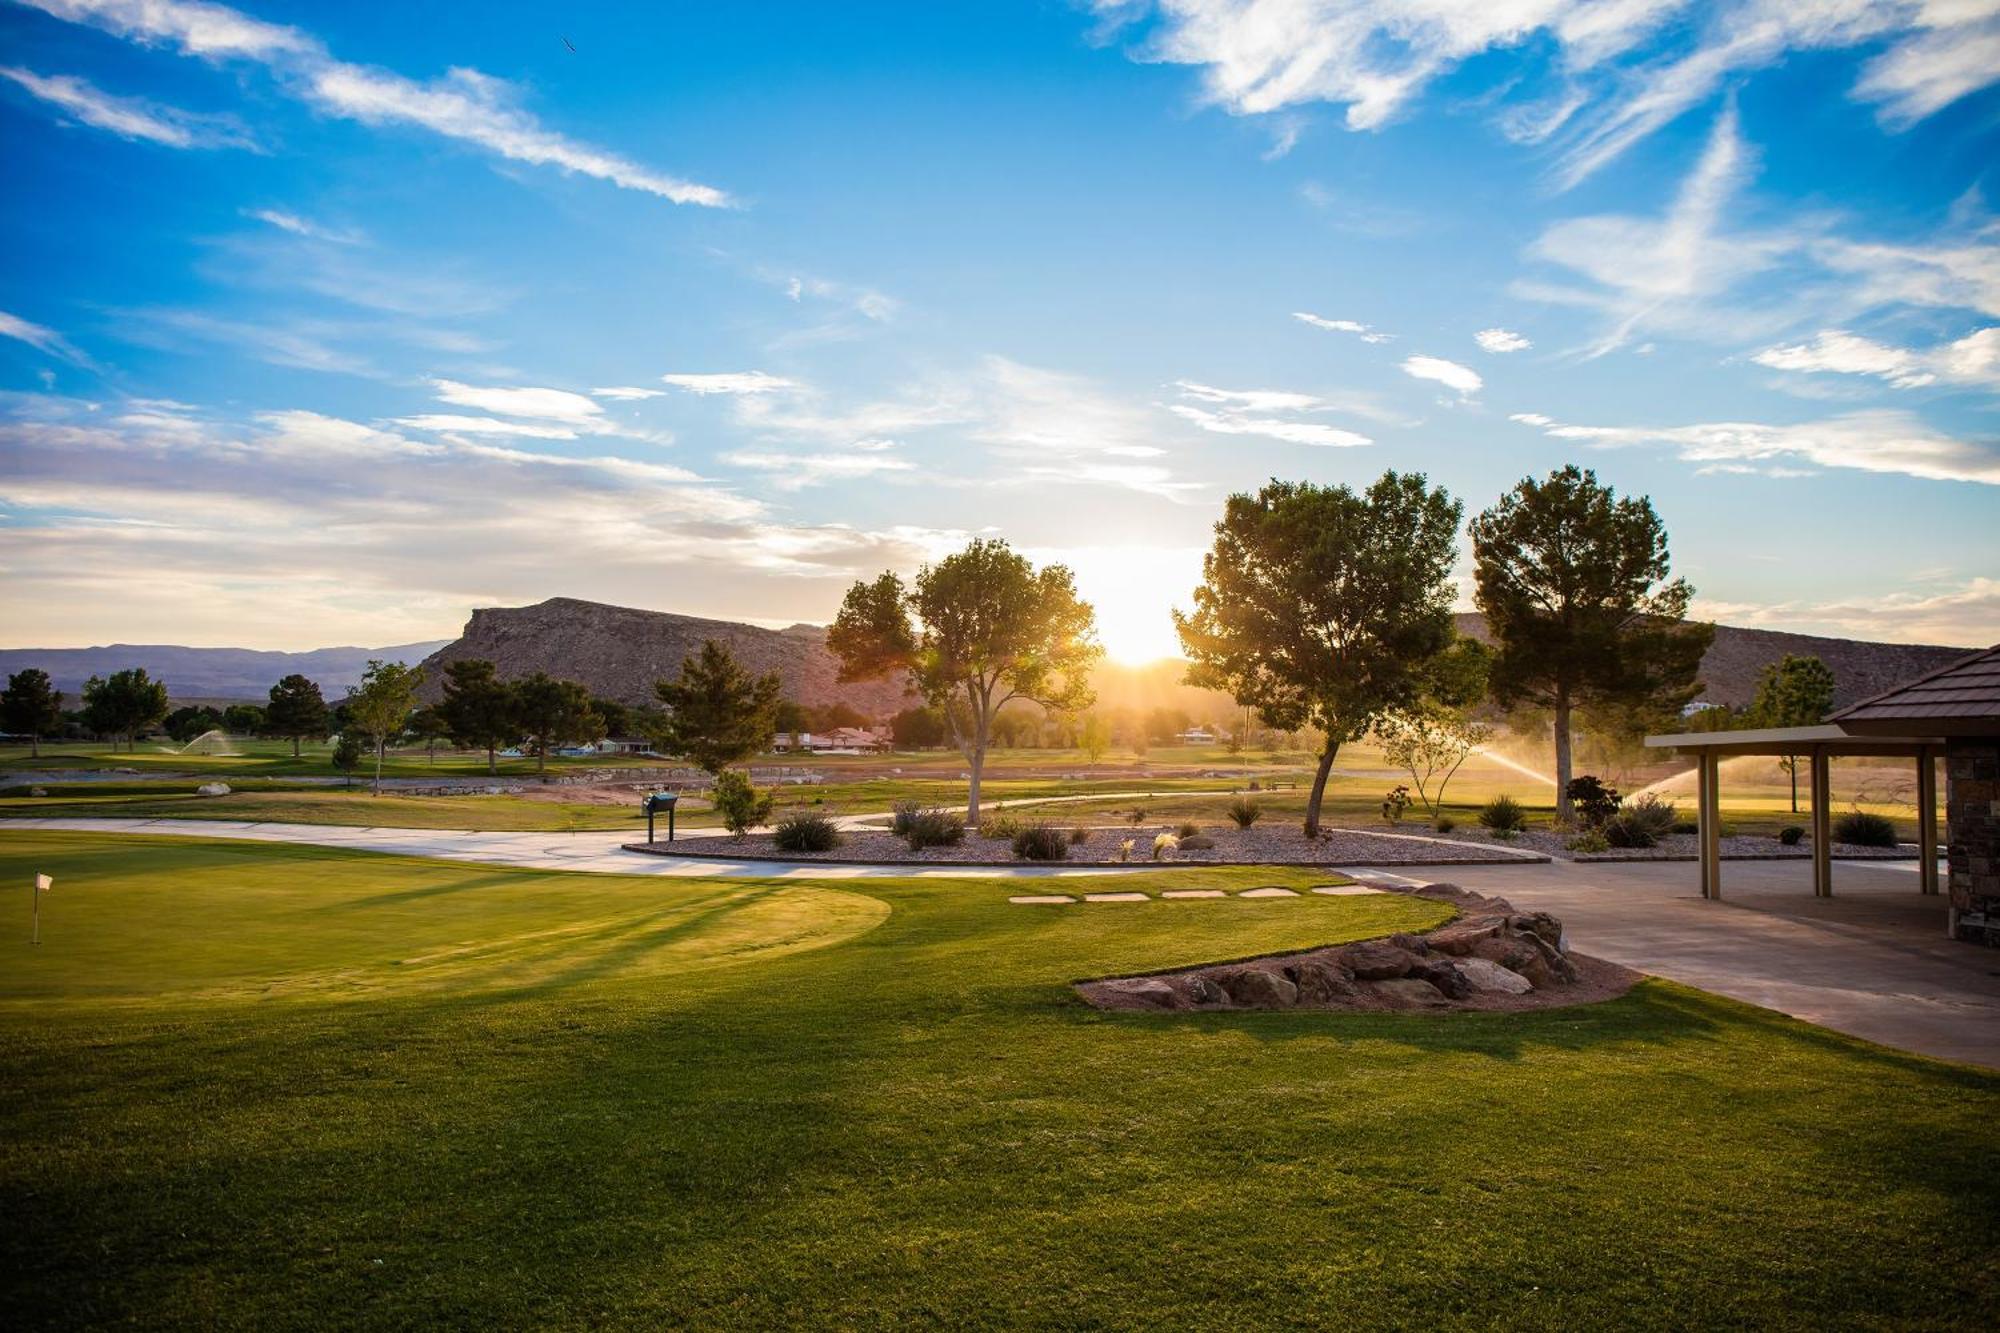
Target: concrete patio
<point>1872,960</point>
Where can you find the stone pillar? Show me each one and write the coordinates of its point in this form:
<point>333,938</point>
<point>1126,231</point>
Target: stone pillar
<point>1822,823</point>
<point>1972,830</point>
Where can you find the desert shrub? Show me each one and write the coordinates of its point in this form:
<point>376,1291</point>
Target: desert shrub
<point>804,831</point>
<point>1041,842</point>
<point>1196,842</point>
<point>934,828</point>
<point>1395,803</point>
<point>1688,826</point>
<point>1125,850</point>
<point>1654,814</point>
<point>999,828</point>
<point>1136,815</point>
<point>1188,830</point>
<point>1859,828</point>
<point>1622,830</point>
<point>740,806</point>
<point>1164,846</point>
<point>1079,836</point>
<point>1255,786</point>
<point>1444,823</point>
<point>1791,835</point>
<point>1243,812</point>
<point>1503,814</point>
<point>901,814</point>
<point>1594,802</point>
<point>1589,841</point>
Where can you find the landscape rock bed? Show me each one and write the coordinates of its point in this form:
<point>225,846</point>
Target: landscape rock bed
<point>1275,845</point>
<point>1489,958</point>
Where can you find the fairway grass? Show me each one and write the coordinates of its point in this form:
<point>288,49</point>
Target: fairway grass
<point>250,1086</point>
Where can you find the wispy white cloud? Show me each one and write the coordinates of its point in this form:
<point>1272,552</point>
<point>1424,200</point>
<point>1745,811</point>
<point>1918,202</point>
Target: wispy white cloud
<point>1232,412</point>
<point>1973,359</point>
<point>1501,340</point>
<point>458,424</point>
<point>730,382</point>
<point>1963,612</point>
<point>543,404</point>
<point>1621,70</point>
<point>1874,441</point>
<point>1360,330</point>
<point>464,105</point>
<point>287,221</point>
<point>43,339</point>
<point>627,393</point>
<point>798,471</point>
<point>1462,379</point>
<point>129,117</point>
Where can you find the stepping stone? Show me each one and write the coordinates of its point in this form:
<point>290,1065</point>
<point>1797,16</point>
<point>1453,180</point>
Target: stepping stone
<point>1344,890</point>
<point>1268,893</point>
<point>1114,897</point>
<point>1043,898</point>
<point>1194,893</point>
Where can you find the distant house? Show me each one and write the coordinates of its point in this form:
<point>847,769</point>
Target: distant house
<point>1699,706</point>
<point>841,740</point>
<point>1196,736</point>
<point>622,745</point>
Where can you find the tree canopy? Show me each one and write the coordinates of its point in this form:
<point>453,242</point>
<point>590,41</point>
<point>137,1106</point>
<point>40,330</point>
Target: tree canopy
<point>1573,581</point>
<point>980,628</point>
<point>478,708</point>
<point>124,703</point>
<point>381,707</point>
<point>297,712</point>
<point>553,713</point>
<point>1320,607</point>
<point>31,706</point>
<point>717,713</point>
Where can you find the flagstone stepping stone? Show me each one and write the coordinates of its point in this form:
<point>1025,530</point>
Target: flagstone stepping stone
<point>1114,897</point>
<point>1194,893</point>
<point>1344,890</point>
<point>1268,893</point>
<point>1043,898</point>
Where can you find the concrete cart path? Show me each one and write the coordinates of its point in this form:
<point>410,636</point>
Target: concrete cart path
<point>1871,961</point>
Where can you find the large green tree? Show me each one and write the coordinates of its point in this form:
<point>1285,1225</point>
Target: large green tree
<point>1573,583</point>
<point>297,712</point>
<point>976,630</point>
<point>1323,608</point>
<point>380,709</point>
<point>123,704</point>
<point>553,713</point>
<point>1794,691</point>
<point>717,713</point>
<point>479,708</point>
<point>31,706</point>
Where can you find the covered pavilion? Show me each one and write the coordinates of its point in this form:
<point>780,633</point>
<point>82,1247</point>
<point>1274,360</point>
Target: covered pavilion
<point>1951,714</point>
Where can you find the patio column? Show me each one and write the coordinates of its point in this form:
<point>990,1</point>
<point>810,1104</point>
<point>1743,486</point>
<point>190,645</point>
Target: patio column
<point>1708,816</point>
<point>1927,867</point>
<point>1822,824</point>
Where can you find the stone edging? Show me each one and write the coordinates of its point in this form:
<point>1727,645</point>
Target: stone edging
<point>793,858</point>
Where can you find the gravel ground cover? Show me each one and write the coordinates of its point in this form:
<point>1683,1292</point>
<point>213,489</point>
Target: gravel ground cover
<point>1684,847</point>
<point>1262,844</point>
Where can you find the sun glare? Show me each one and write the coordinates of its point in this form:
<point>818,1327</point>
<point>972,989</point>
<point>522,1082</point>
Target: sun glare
<point>1134,590</point>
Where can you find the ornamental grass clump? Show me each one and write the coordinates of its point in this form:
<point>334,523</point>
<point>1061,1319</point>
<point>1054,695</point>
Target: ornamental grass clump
<point>1860,828</point>
<point>805,831</point>
<point>1041,842</point>
<point>1243,812</point>
<point>999,828</point>
<point>1164,846</point>
<point>1504,816</point>
<point>934,828</point>
<point>1642,823</point>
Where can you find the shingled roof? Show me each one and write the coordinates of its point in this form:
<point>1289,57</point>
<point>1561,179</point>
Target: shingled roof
<point>1962,692</point>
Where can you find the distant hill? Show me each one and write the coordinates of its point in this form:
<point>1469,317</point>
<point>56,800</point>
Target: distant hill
<point>1729,670</point>
<point>210,673</point>
<point>618,652</point>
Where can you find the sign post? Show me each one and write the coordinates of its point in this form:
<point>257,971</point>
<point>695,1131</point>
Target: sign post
<point>661,800</point>
<point>42,885</point>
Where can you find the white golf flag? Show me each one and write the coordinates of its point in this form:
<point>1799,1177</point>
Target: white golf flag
<point>43,883</point>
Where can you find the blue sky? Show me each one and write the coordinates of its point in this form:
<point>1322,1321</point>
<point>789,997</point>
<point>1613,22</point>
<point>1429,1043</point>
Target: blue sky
<point>328,323</point>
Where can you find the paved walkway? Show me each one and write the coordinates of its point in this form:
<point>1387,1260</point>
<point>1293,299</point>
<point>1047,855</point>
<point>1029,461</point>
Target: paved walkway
<point>1872,960</point>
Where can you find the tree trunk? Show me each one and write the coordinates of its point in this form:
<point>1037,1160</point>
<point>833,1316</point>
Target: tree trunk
<point>542,760</point>
<point>375,788</point>
<point>1565,816</point>
<point>492,759</point>
<point>295,747</point>
<point>35,744</point>
<point>978,763</point>
<point>1319,786</point>
<point>1792,764</point>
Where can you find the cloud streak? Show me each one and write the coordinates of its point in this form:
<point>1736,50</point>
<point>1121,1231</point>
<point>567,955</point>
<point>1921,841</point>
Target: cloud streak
<point>464,105</point>
<point>128,117</point>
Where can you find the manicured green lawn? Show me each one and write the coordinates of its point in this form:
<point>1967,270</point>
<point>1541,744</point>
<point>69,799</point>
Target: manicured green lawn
<point>253,1086</point>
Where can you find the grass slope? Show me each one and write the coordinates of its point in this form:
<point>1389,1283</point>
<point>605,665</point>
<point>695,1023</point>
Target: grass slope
<point>251,1086</point>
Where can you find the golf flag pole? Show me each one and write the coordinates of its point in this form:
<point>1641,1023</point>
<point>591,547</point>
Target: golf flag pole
<point>42,885</point>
